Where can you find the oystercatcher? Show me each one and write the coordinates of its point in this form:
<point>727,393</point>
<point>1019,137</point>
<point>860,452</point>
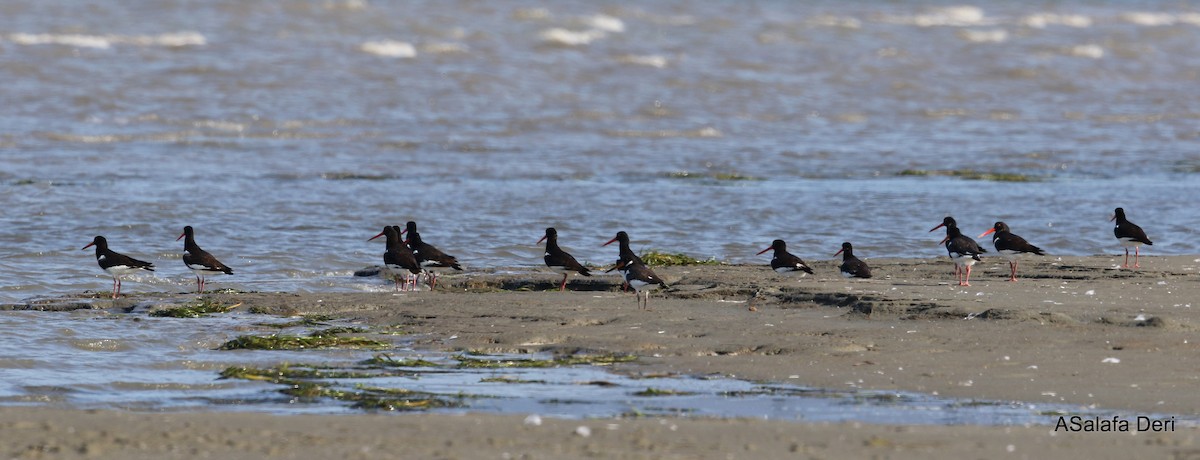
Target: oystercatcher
<point>116,264</point>
<point>430,258</point>
<point>1130,235</point>
<point>641,278</point>
<point>1010,246</point>
<point>558,259</point>
<point>963,250</point>
<point>624,254</point>
<point>399,259</point>
<point>852,267</point>
<point>784,263</point>
<point>200,261</point>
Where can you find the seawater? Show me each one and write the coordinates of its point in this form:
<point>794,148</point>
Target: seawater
<point>288,133</point>
<point>100,360</point>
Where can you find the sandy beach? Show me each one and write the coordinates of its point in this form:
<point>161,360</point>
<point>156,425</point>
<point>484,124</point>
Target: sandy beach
<point>1073,330</point>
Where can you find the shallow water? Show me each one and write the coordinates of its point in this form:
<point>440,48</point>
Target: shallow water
<point>289,133</point>
<point>100,360</point>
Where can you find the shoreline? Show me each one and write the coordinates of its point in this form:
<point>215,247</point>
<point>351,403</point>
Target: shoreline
<point>1073,330</point>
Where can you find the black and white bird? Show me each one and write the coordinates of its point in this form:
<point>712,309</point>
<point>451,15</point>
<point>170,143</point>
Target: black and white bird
<point>430,258</point>
<point>642,279</point>
<point>784,263</point>
<point>1130,236</point>
<point>560,260</point>
<point>200,261</point>
<point>624,254</point>
<point>116,264</point>
<point>398,260</point>
<point>1010,246</point>
<point>963,250</point>
<point>852,267</point>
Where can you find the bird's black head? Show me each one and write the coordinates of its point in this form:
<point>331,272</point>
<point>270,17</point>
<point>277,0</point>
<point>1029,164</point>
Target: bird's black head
<point>1119,214</point>
<point>99,242</point>
<point>551,234</point>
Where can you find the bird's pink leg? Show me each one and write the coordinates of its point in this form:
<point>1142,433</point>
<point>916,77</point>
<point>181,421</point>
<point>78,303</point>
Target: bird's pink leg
<point>564,283</point>
<point>1013,274</point>
<point>1136,250</point>
<point>968,280</point>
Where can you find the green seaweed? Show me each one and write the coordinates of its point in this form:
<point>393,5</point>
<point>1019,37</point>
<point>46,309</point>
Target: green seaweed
<point>661,392</point>
<point>721,176</point>
<point>203,308</point>
<point>296,384</point>
<point>970,174</point>
<point>285,373</point>
<point>333,331</point>
<point>292,342</point>
<point>386,360</point>
<point>666,259</point>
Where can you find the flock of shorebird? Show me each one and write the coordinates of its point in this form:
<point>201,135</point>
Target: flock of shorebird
<point>406,260</point>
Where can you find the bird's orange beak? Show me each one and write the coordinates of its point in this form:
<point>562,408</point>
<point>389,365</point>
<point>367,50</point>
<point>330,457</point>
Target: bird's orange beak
<point>767,249</point>
<point>377,236</point>
<point>605,244</point>
<point>989,232</point>
<point>88,246</point>
<point>939,226</point>
<point>839,251</point>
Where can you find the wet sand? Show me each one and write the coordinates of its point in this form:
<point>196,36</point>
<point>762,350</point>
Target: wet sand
<point>1075,330</point>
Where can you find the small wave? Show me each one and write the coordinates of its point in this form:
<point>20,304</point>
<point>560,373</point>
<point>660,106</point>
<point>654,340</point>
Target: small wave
<point>957,16</point>
<point>444,48</point>
<point>172,40</point>
<point>81,41</point>
<point>652,60</point>
<point>346,5</point>
<point>529,14</point>
<point>667,133</point>
<point>826,20</point>
<point>605,23</point>
<point>390,48</point>
<point>1149,19</point>
<point>1043,20</point>
<point>99,345</point>
<point>1086,51</point>
<point>984,36</point>
<point>119,138</point>
<point>564,37</point>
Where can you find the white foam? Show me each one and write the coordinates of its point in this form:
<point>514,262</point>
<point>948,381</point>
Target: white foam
<point>1087,51</point>
<point>605,23</point>
<point>652,60</point>
<point>1144,18</point>
<point>172,40</point>
<point>958,16</point>
<point>984,36</point>
<point>390,48</point>
<point>1043,20</point>
<point>81,41</point>
<point>564,37</point>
